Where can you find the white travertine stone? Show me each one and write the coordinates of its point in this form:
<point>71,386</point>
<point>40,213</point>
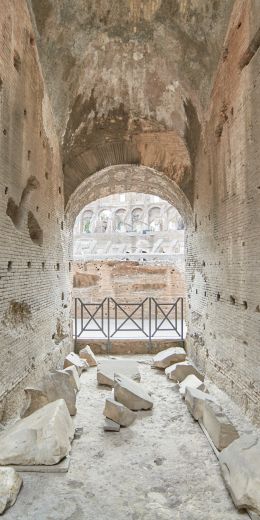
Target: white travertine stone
<point>42,438</point>
<point>87,354</point>
<point>107,369</point>
<point>10,485</point>
<point>179,371</point>
<point>111,426</point>
<point>74,359</point>
<point>195,399</point>
<point>54,385</point>
<point>240,467</point>
<point>131,394</point>
<point>167,357</point>
<point>190,381</point>
<point>220,429</point>
<point>73,373</point>
<point>118,413</point>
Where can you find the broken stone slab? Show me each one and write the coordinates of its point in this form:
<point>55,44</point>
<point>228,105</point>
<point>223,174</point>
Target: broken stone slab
<point>190,381</point>
<point>87,354</point>
<point>54,385</point>
<point>131,394</point>
<point>167,357</point>
<point>240,467</point>
<point>107,369</point>
<point>10,485</point>
<point>73,373</point>
<point>195,399</point>
<point>221,431</point>
<point>74,359</point>
<point>118,413</point>
<point>111,426</point>
<point>41,438</point>
<point>179,371</point>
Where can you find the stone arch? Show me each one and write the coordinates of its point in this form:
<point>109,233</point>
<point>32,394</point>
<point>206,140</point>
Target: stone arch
<point>127,178</point>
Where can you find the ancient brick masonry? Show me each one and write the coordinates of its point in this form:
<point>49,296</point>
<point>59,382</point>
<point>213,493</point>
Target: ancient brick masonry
<point>223,246</point>
<point>34,323</point>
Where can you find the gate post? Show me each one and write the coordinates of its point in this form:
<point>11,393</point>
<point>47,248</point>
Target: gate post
<point>108,326</point>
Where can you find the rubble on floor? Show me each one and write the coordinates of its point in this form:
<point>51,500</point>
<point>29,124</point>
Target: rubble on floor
<point>195,399</point>
<point>74,359</point>
<point>87,354</point>
<point>118,412</point>
<point>107,368</point>
<point>111,426</point>
<point>240,467</point>
<point>10,485</point>
<point>167,357</point>
<point>221,430</point>
<point>73,373</point>
<point>180,371</point>
<point>43,437</point>
<point>190,381</point>
<point>57,384</point>
<point>133,395</point>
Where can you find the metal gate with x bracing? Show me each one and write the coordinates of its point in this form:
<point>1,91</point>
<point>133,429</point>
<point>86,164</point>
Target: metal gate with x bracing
<point>110,319</point>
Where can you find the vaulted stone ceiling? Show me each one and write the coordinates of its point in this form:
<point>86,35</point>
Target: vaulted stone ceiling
<point>129,80</point>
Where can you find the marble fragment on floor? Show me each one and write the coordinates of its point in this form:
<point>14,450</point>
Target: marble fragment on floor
<point>43,437</point>
<point>75,360</point>
<point>118,412</point>
<point>87,354</point>
<point>220,429</point>
<point>133,395</point>
<point>107,368</point>
<point>10,485</point>
<point>167,357</point>
<point>240,467</point>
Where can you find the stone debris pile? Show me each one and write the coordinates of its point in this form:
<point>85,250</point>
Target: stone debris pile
<point>127,397</point>
<point>239,457</point>
<point>43,435</point>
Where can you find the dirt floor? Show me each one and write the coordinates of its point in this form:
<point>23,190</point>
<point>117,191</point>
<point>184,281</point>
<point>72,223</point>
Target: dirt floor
<point>160,468</point>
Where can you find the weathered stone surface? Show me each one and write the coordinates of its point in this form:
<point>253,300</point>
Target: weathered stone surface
<point>195,400</point>
<point>87,354</point>
<point>111,426</point>
<point>10,485</point>
<point>107,369</point>
<point>73,373</point>
<point>131,394</point>
<point>167,357</point>
<point>118,413</point>
<point>179,371</point>
<point>220,429</point>
<point>190,381</point>
<point>54,385</point>
<point>74,359</point>
<point>42,438</point>
<point>240,467</point>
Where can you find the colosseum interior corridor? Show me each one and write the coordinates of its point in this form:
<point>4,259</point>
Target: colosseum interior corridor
<point>129,259</point>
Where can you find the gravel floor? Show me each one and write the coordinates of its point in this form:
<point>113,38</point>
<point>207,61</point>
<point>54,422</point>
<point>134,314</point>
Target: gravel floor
<point>160,468</point>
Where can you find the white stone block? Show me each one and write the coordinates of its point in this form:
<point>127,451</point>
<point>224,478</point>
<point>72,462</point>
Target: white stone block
<point>240,467</point>
<point>167,357</point>
<point>74,359</point>
<point>42,438</point>
<point>131,394</point>
<point>179,371</point>
<point>118,413</point>
<point>107,369</point>
<point>195,399</point>
<point>190,381</point>
<point>220,429</point>
<point>10,485</point>
<point>87,354</point>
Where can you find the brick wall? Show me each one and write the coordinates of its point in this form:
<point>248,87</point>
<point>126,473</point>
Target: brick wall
<point>223,248</point>
<point>34,322</point>
<point>126,282</point>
